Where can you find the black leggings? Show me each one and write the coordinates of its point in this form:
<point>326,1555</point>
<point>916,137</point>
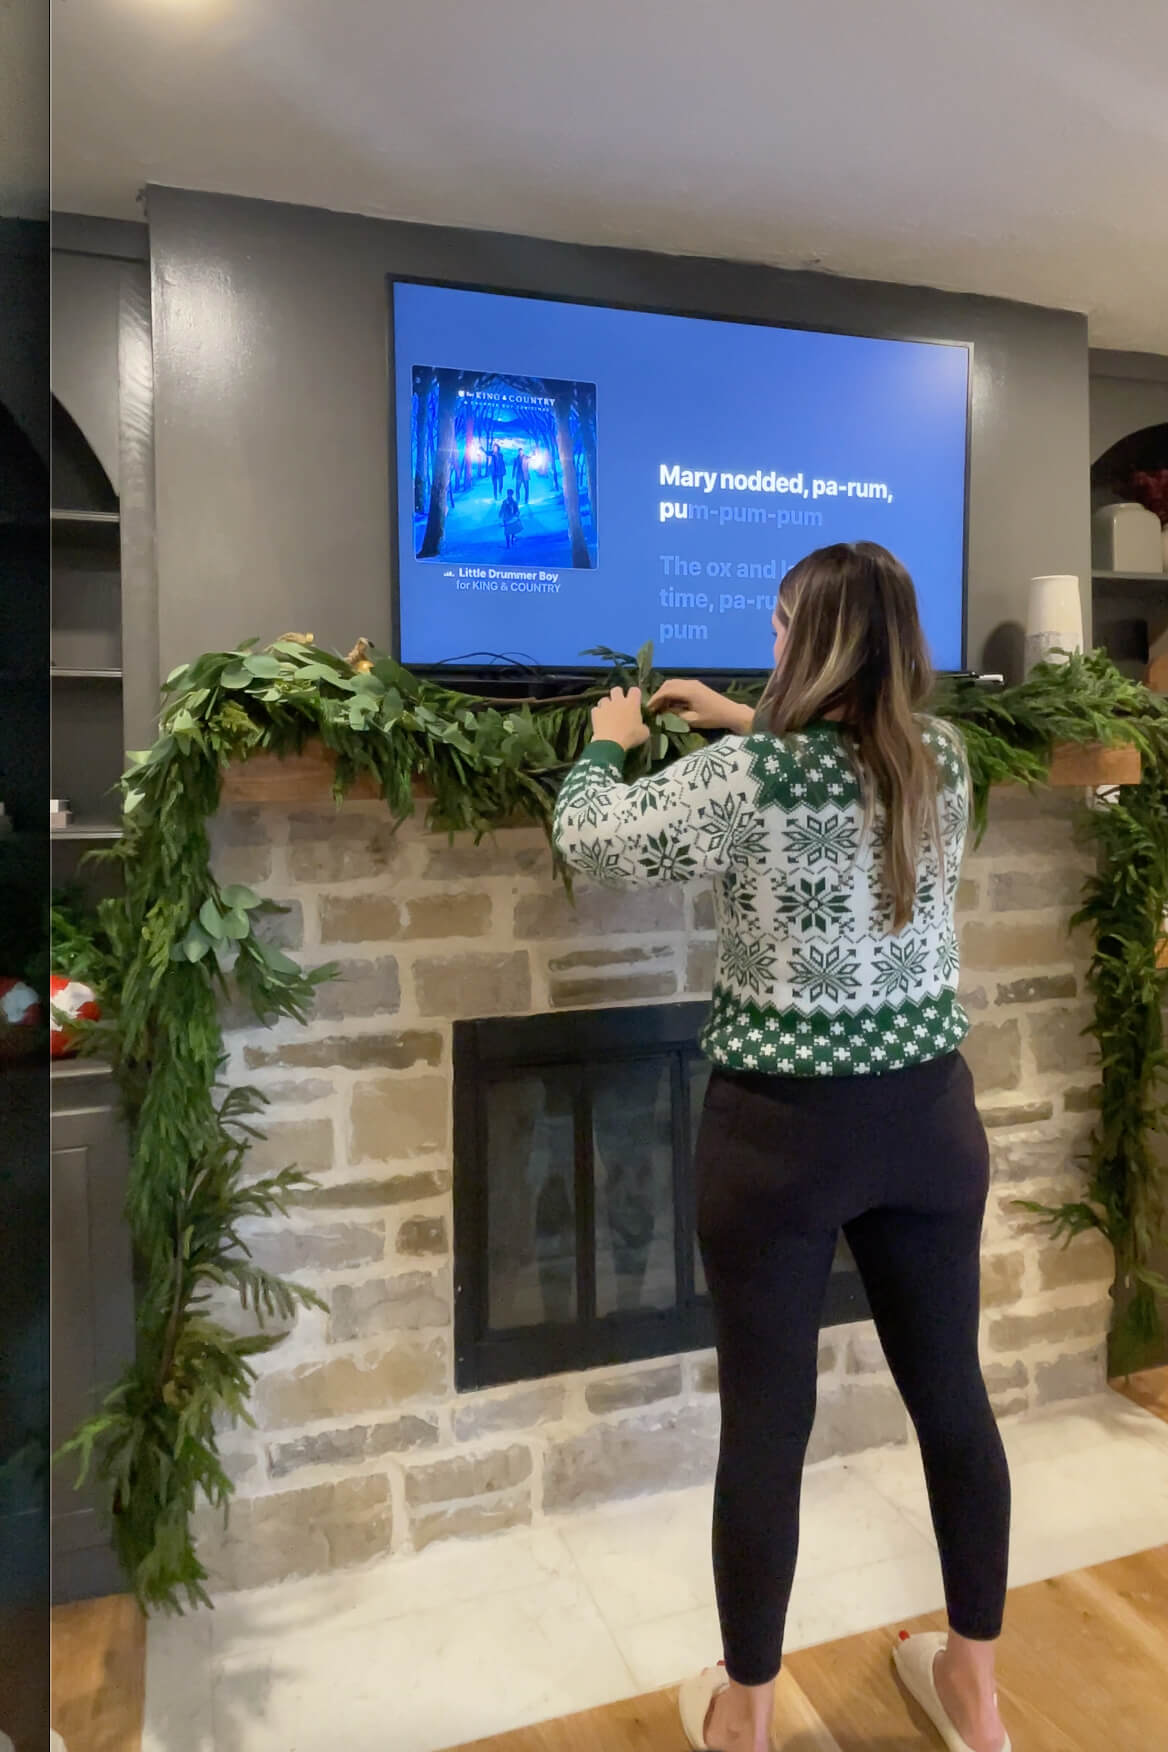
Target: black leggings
<point>900,1164</point>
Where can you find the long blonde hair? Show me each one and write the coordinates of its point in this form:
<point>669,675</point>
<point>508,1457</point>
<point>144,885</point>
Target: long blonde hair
<point>855,648</point>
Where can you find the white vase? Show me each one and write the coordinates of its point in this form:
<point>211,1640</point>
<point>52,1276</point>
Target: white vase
<point>1054,618</point>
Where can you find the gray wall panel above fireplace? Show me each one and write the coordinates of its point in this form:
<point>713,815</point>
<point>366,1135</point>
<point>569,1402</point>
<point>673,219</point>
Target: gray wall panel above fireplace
<point>270,371</point>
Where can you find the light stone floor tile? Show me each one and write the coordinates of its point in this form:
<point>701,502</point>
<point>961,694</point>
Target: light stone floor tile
<point>446,1575</point>
<point>467,1640</point>
<point>430,1680</point>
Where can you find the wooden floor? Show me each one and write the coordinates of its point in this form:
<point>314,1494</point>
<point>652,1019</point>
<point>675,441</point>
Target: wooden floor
<point>99,1674</point>
<point>1083,1668</point>
<point>1149,1390</point>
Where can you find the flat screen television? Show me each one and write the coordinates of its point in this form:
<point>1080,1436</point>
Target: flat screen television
<point>570,475</point>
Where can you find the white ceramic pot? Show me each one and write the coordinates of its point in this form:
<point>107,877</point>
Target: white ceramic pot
<point>1054,618</point>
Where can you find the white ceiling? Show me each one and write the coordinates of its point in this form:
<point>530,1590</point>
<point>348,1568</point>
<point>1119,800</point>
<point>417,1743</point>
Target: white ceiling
<point>1013,147</point>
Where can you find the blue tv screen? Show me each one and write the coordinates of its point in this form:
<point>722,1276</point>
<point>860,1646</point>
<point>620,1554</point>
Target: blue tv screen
<point>573,475</point>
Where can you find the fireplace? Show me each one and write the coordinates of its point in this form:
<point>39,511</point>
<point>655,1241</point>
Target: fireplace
<point>574,1240</point>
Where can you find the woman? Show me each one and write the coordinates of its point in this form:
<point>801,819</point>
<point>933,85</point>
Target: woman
<point>833,821</point>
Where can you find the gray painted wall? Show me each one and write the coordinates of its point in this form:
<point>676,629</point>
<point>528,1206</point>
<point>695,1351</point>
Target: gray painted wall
<point>87,291</point>
<point>1128,392</point>
<point>271,406</point>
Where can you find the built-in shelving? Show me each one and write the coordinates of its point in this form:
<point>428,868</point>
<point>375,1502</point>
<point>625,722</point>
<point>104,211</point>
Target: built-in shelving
<point>74,1070</point>
<point>87,519</point>
<point>1160,578</point>
<point>59,673</point>
<point>91,831</point>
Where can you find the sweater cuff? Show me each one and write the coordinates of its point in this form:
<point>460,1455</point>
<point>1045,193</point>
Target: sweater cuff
<point>608,755</point>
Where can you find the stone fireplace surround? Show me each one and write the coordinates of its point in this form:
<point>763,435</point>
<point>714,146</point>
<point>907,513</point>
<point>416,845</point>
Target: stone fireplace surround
<point>361,1446</point>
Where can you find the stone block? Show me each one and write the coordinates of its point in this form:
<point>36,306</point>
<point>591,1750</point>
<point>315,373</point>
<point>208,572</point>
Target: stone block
<point>241,849</point>
<point>599,912</point>
<point>296,1532</point>
<point>700,967</point>
<point>347,1386</point>
<point>1055,885</point>
<point>1006,1384</point>
<point>350,1052</point>
<point>399,1117</point>
<point>395,1189</point>
<point>968,896</point>
<point>1058,1042</point>
<point>376,918</point>
<point>362,988</point>
<point>525,1410</point>
<point>972,997</point>
<point>332,1247</point>
<point>640,1387</point>
<point>428,918</point>
<point>617,988</point>
<point>1017,1332</point>
<point>306,1144</point>
<point>1083,1100</point>
<point>1028,1155</point>
<point>1087,1259</point>
<point>359,918</point>
<point>283,929</point>
<point>466,987</point>
<point>1072,1377</point>
<point>662,1450</point>
<point>993,1052</point>
<point>512,853</point>
<point>865,1355</point>
<point>472,1520</point>
<point>609,960</point>
<point>1001,946</point>
<point>1038,989</point>
<point>422,1237</point>
<point>1001,1278</point>
<point>1015,1113</point>
<point>348,1446</point>
<point>251,865</point>
<point>704,916</point>
<point>469,1475</point>
<point>410,1303</point>
<point>298,1091</point>
<point>854,1416</point>
<point>1026,832</point>
<point>704,1375</point>
<point>340,846</point>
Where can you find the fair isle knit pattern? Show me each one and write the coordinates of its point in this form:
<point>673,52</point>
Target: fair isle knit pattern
<point>809,980</point>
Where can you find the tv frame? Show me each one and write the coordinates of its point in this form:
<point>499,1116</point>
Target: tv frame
<point>458,671</point>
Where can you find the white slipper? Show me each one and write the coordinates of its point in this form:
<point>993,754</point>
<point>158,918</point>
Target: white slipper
<point>694,1698</point>
<point>913,1658</point>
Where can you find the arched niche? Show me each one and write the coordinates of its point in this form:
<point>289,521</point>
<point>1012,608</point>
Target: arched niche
<point>80,483</point>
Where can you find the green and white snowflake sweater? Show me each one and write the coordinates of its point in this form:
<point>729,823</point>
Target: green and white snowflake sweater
<point>809,981</point>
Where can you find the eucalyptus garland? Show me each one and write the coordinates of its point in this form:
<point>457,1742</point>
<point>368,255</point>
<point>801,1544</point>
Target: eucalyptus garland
<point>174,944</point>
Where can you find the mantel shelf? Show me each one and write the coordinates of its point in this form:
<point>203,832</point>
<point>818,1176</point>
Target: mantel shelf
<point>308,778</point>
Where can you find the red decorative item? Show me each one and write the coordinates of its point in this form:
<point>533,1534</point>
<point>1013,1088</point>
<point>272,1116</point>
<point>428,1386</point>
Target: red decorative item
<point>1149,488</point>
<point>75,1000</point>
<point>20,1017</point>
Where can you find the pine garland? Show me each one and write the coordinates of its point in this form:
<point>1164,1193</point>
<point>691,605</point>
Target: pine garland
<point>175,943</point>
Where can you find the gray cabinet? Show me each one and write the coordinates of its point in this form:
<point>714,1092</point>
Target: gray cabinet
<point>93,1307</point>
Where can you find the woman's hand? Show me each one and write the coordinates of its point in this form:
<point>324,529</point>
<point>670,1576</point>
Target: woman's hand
<point>620,718</point>
<point>702,707</point>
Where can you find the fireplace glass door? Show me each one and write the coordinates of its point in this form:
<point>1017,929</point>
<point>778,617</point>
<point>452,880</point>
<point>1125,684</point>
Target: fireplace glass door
<point>574,1200</point>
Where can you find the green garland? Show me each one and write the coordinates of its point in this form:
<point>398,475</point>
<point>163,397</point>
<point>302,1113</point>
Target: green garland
<point>167,951</point>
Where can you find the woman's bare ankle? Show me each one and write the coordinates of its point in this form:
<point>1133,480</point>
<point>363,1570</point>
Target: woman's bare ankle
<point>740,1719</point>
<point>964,1676</point>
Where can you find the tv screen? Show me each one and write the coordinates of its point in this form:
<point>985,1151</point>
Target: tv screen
<point>573,475</point>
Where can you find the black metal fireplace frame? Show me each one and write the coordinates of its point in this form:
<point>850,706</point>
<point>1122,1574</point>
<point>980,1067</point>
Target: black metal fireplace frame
<point>578,1044</point>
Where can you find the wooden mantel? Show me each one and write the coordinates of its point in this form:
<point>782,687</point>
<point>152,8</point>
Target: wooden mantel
<point>308,778</point>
